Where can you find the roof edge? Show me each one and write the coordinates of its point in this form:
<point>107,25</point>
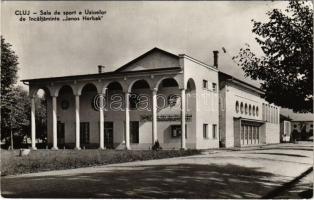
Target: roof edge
<point>143,55</point>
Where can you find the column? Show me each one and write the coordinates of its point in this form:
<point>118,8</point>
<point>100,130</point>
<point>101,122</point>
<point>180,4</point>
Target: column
<point>127,122</point>
<point>154,119</point>
<point>183,119</point>
<point>77,122</point>
<point>54,123</point>
<point>101,121</point>
<point>33,125</point>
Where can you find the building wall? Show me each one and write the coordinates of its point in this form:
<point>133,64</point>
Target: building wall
<point>222,116</point>
<point>233,94</point>
<point>272,133</point>
<point>206,102</point>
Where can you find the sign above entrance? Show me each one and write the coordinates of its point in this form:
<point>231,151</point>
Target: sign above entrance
<point>166,118</point>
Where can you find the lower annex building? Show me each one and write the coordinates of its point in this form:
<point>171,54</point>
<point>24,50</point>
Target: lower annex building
<point>175,99</point>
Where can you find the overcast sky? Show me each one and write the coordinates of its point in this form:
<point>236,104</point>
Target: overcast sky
<point>129,29</point>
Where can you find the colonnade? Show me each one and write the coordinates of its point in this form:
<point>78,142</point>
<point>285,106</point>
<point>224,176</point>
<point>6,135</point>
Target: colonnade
<point>101,120</point>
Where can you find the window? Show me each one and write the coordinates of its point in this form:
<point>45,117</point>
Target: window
<point>241,108</point>
<point>176,131</point>
<point>256,112</point>
<point>250,109</point>
<point>214,85</point>
<point>172,100</point>
<point>245,109</point>
<point>214,131</point>
<point>253,112</point>
<point>205,84</point>
<point>205,130</point>
<point>65,104</point>
<point>237,106</point>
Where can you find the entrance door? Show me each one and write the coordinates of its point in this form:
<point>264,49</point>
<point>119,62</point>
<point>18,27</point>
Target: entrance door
<point>84,133</point>
<point>108,135</point>
<point>250,133</point>
<point>242,134</point>
<point>60,134</point>
<point>134,132</point>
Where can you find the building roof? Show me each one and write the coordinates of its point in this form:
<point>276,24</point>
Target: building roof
<point>101,75</point>
<point>123,67</point>
<point>237,81</point>
<point>300,117</point>
<point>121,71</point>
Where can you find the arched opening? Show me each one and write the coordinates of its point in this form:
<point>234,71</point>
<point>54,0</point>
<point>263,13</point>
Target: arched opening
<point>139,96</point>
<point>237,106</point>
<point>190,95</point>
<point>191,111</point>
<point>89,116</point>
<point>42,100</point>
<point>241,107</point>
<point>113,118</point>
<point>190,86</point>
<point>139,100</point>
<point>169,111</point>
<point>245,109</point>
<point>114,97</point>
<point>168,94</point>
<point>65,117</point>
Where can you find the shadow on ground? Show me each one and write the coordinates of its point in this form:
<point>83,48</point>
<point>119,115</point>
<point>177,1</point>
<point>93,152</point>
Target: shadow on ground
<point>281,154</point>
<point>165,181</point>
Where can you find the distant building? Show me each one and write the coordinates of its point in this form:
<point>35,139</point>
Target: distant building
<point>301,124</point>
<point>175,99</point>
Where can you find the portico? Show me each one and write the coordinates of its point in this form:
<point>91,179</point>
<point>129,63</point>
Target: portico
<point>104,85</point>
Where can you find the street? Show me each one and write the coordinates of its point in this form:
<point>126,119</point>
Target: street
<point>269,171</point>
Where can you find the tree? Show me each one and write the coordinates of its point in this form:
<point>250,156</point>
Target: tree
<point>286,68</point>
<point>9,62</point>
<point>15,103</point>
<point>16,106</point>
<point>8,79</point>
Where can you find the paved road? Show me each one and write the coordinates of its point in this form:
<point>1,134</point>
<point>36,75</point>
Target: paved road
<point>249,173</point>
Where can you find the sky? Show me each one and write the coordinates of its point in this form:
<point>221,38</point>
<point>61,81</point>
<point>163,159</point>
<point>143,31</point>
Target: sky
<point>129,29</point>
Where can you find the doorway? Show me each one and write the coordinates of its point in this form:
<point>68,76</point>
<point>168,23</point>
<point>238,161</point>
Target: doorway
<point>108,135</point>
<point>134,132</point>
<point>60,134</point>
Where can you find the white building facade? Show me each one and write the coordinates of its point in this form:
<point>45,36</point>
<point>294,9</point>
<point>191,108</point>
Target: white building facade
<point>173,99</point>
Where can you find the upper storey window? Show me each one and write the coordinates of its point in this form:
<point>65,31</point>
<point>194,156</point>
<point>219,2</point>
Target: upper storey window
<point>245,108</point>
<point>214,86</point>
<point>237,106</point>
<point>205,84</point>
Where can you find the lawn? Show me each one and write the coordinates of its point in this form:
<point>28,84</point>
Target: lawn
<point>46,160</point>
